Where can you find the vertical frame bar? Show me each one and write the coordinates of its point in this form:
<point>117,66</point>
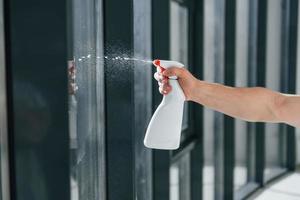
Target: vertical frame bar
<point>229,79</point>
<point>118,36</point>
<point>4,159</point>
<point>160,49</point>
<point>260,81</point>
<point>252,79</point>
<point>219,43</point>
<point>291,82</point>
<point>100,96</point>
<point>36,60</point>
<point>284,74</point>
<point>197,156</point>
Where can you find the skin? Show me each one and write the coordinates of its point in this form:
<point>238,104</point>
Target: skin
<point>250,104</point>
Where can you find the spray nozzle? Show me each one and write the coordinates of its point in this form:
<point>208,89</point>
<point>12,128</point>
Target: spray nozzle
<point>157,63</point>
<point>165,64</point>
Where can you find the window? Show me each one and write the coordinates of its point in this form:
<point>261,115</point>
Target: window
<point>180,179</point>
<point>209,75</point>
<point>86,113</point>
<point>179,43</point>
<point>274,139</point>
<point>241,80</point>
<point>208,170</point>
<point>182,184</point>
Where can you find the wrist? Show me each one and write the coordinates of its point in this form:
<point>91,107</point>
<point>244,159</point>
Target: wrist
<point>197,85</point>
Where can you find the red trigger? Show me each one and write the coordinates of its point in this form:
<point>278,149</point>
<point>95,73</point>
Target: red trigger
<point>157,63</point>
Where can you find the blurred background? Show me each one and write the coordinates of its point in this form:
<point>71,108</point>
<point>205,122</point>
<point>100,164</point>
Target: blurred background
<point>76,98</point>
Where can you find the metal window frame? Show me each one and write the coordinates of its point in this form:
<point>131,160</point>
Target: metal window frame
<point>229,79</point>
<point>288,85</point>
<point>118,23</point>
<point>260,81</point>
<point>219,71</point>
<point>283,138</point>
<point>252,184</point>
<point>4,159</point>
<point>192,144</point>
<point>188,138</point>
<point>128,162</point>
<point>196,42</point>
<point>293,40</point>
<point>160,49</point>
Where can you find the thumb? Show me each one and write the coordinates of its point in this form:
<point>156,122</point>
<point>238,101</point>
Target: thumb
<point>173,71</point>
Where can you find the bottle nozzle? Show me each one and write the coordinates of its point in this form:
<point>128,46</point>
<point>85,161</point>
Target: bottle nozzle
<point>156,63</point>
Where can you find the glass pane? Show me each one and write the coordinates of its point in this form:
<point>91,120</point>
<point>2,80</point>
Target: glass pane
<point>180,179</point>
<point>179,42</point>
<point>274,139</point>
<point>85,104</point>
<point>241,80</point>
<point>209,62</point>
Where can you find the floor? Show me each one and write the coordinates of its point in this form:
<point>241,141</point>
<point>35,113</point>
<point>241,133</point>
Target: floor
<point>287,188</point>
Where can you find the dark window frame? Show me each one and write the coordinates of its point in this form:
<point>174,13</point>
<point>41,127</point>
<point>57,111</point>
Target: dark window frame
<point>193,143</point>
<point>4,152</point>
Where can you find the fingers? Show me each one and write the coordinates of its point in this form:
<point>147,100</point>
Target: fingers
<point>160,78</point>
<point>165,89</point>
<point>173,71</point>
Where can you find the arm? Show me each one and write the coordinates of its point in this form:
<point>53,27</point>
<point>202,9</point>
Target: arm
<point>250,104</point>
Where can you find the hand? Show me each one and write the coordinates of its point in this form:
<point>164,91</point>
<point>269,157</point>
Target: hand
<point>186,80</point>
<point>72,78</point>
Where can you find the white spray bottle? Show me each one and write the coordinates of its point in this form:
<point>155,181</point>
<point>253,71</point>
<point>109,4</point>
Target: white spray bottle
<point>164,129</point>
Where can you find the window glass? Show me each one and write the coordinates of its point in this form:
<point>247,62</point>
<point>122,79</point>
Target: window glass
<point>274,139</point>
<point>241,80</point>
<point>179,43</point>
<point>208,115</point>
<point>85,104</point>
<point>180,179</point>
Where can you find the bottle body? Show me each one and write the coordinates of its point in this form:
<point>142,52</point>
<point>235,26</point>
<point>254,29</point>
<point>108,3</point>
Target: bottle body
<point>164,129</point>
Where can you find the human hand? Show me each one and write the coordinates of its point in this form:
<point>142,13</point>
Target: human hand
<point>186,80</point>
<point>72,86</point>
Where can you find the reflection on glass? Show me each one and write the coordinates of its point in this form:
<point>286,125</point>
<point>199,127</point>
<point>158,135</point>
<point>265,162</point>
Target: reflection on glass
<point>180,179</point>
<point>241,80</point>
<point>179,42</point>
<point>274,140</point>
<point>85,104</point>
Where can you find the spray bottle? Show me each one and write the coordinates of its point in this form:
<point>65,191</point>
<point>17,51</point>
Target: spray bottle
<point>164,129</point>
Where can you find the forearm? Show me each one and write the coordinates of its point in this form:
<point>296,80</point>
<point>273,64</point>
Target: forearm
<point>250,104</point>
